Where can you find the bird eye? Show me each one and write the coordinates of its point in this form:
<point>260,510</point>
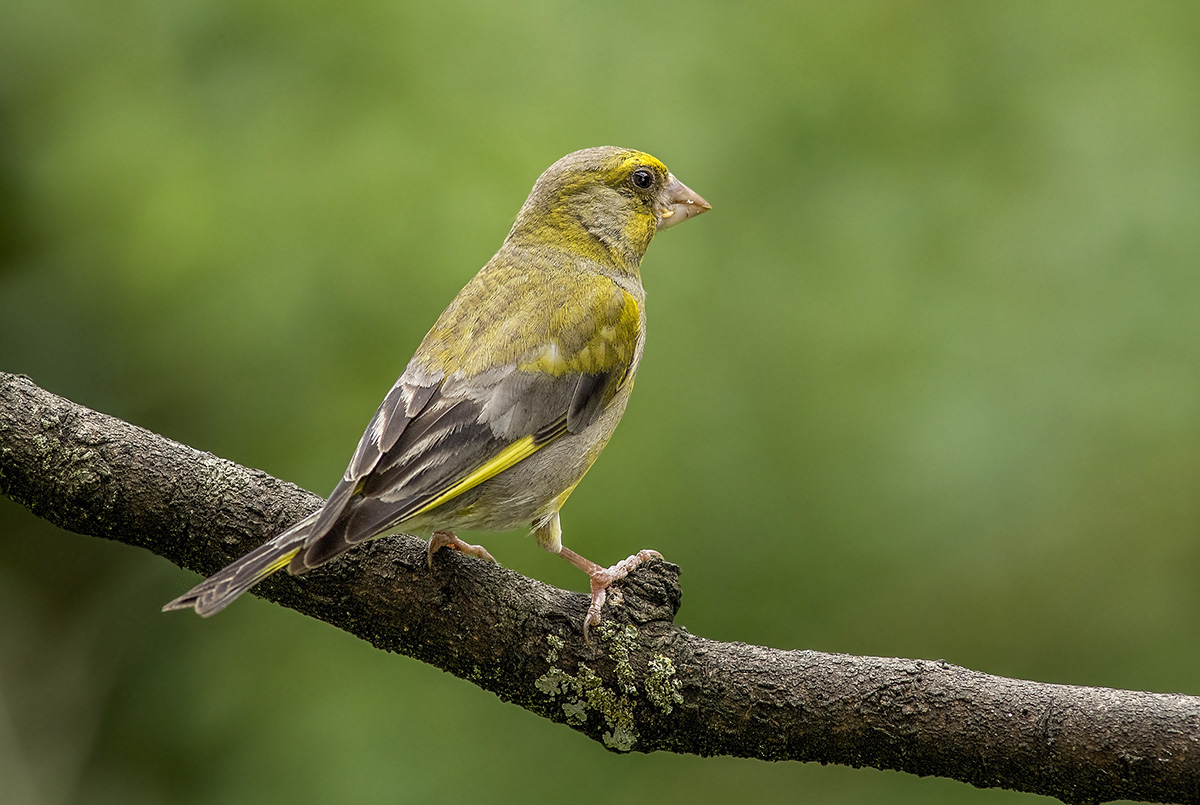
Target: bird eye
<point>642,178</point>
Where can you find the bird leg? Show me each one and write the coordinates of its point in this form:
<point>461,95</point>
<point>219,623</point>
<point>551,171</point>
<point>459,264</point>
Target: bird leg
<point>548,533</point>
<point>447,539</point>
<point>603,577</point>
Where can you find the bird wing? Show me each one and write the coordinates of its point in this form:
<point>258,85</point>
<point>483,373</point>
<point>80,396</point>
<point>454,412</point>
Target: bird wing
<point>441,432</point>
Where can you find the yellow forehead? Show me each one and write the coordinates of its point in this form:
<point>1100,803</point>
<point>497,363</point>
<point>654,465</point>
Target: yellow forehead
<point>638,159</point>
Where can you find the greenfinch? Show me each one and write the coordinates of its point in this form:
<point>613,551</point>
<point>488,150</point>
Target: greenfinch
<point>514,391</point>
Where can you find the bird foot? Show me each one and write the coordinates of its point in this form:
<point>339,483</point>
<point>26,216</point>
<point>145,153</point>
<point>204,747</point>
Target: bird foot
<point>603,577</point>
<point>447,539</point>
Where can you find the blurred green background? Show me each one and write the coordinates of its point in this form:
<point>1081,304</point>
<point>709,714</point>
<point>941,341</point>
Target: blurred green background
<point>924,383</point>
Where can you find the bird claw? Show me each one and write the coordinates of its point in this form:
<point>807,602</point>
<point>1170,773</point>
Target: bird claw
<point>447,539</point>
<point>603,578</point>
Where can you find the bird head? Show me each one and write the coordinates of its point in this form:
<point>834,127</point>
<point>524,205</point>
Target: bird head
<point>605,200</point>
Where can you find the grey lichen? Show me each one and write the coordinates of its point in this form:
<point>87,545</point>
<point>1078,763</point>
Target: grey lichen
<point>556,682</point>
<point>585,691</point>
<point>556,644</point>
<point>617,710</point>
<point>662,688</point>
<point>620,641</point>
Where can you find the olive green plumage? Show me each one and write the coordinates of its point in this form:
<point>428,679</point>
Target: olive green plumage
<point>515,389</point>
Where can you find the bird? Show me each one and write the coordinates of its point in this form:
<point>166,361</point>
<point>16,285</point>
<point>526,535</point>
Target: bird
<point>513,392</point>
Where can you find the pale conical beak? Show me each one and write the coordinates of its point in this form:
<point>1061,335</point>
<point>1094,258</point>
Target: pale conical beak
<point>681,203</point>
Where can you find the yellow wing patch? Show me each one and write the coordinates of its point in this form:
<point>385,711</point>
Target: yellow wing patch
<point>279,564</point>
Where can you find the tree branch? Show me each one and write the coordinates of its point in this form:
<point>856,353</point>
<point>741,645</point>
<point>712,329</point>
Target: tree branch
<point>646,684</point>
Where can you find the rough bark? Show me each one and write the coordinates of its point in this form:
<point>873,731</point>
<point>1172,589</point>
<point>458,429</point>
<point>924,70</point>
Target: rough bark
<point>645,684</point>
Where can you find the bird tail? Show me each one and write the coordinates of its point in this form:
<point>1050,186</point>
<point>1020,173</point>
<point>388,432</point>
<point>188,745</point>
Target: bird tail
<point>220,589</point>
